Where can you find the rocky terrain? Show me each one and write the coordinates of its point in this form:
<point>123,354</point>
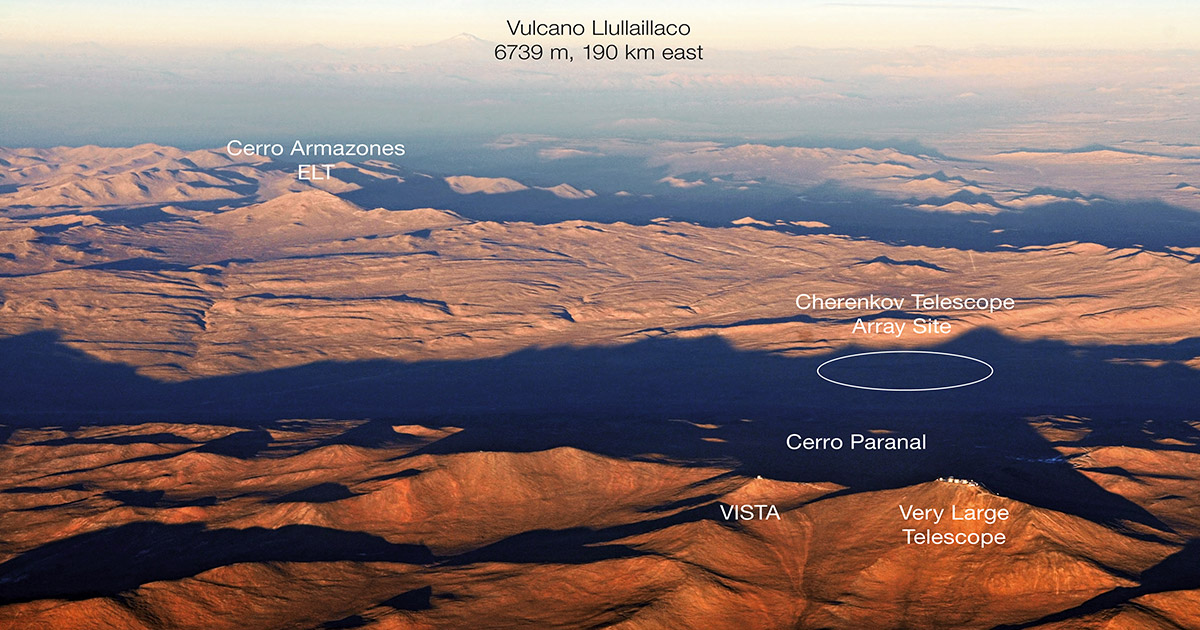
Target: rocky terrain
<point>348,524</point>
<point>393,399</point>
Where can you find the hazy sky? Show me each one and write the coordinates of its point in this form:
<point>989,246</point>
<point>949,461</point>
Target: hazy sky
<point>744,25</point>
<point>878,69</point>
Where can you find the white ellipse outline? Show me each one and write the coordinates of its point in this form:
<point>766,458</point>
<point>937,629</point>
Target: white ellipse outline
<point>991,371</point>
